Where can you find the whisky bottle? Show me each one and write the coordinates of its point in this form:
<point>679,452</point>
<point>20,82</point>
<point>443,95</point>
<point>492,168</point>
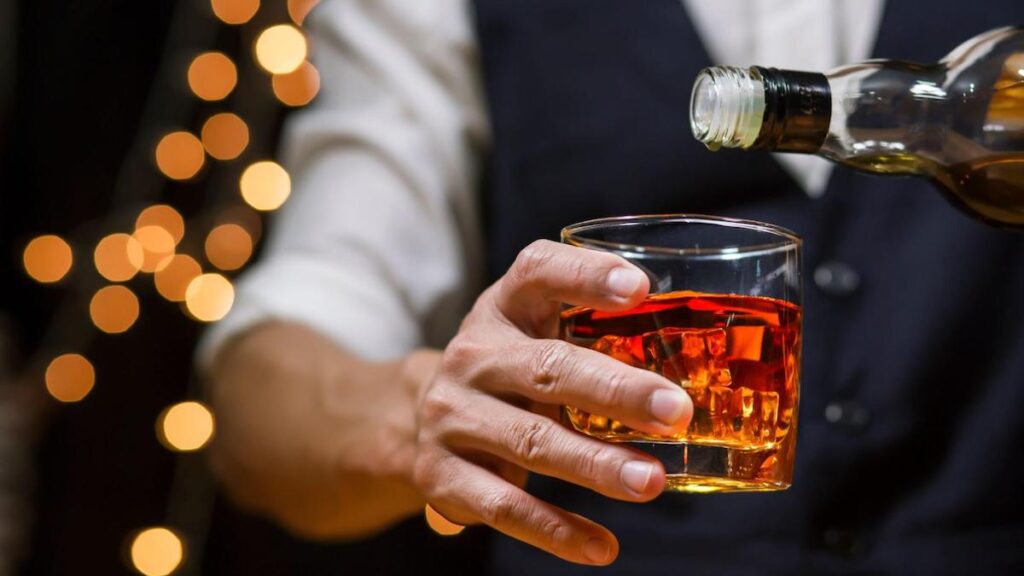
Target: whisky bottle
<point>959,122</point>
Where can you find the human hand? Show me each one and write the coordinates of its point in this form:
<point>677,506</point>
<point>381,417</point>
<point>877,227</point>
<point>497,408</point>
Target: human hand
<point>490,414</point>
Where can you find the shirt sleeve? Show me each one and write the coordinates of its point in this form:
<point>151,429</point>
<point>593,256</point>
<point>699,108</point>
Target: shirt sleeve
<point>379,245</point>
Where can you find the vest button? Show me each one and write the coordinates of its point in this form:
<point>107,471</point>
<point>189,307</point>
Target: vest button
<point>836,278</point>
<point>847,414</point>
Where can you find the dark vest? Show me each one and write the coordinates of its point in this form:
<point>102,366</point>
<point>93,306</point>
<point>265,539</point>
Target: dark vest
<point>912,409</point>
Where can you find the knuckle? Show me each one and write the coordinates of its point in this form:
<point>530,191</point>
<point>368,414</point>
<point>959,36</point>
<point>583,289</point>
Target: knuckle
<point>459,355</point>
<point>550,360</point>
<point>613,391</point>
<point>499,508</point>
<point>531,261</point>
<point>438,405</point>
<point>592,463</point>
<point>553,533</point>
<point>529,441</point>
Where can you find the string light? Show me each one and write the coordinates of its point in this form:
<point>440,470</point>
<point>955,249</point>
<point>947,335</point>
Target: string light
<point>165,217</point>
<point>235,11</point>
<point>179,155</point>
<point>440,524</point>
<point>70,377</point>
<point>299,9</point>
<point>118,257</point>
<point>157,551</point>
<point>47,258</point>
<point>212,76</point>
<point>225,136</point>
<point>228,246</point>
<point>157,247</point>
<point>265,185</point>
<point>209,297</point>
<point>185,427</point>
<point>281,49</point>
<point>173,280</point>
<point>297,88</point>
<point>114,309</point>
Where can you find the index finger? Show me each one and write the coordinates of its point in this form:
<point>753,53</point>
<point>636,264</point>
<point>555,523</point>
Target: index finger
<point>546,274</point>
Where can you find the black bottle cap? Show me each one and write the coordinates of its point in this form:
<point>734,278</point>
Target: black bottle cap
<point>798,109</point>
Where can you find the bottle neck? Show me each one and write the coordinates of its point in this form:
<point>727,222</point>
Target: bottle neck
<point>766,108</point>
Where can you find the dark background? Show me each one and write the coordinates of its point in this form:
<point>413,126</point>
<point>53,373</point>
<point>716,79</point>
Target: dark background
<point>87,88</point>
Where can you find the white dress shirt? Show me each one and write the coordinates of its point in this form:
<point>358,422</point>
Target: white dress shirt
<point>380,247</point>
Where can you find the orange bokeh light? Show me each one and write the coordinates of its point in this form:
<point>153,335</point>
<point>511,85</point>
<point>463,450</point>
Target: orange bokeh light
<point>235,11</point>
<point>173,280</point>
<point>212,76</point>
<point>114,309</point>
<point>209,297</point>
<point>156,551</point>
<point>165,217</point>
<point>225,136</point>
<point>70,377</point>
<point>47,258</point>
<point>265,185</point>
<point>180,155</point>
<point>228,246</point>
<point>281,49</point>
<point>297,88</point>
<point>185,427</point>
<point>157,247</point>
<point>299,9</point>
<point>118,257</point>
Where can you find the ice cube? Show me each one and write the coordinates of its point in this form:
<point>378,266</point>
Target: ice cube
<point>685,356</point>
<point>620,348</point>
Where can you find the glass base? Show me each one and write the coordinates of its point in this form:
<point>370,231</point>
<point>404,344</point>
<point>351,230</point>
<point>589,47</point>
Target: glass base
<point>701,469</point>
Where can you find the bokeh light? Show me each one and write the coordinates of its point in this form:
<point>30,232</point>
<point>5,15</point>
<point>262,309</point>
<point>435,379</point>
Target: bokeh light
<point>118,257</point>
<point>281,49</point>
<point>440,524</point>
<point>265,185</point>
<point>157,247</point>
<point>225,136</point>
<point>228,246</point>
<point>299,9</point>
<point>70,377</point>
<point>235,11</point>
<point>165,217</point>
<point>114,309</point>
<point>179,155</point>
<point>297,88</point>
<point>157,551</point>
<point>173,280</point>
<point>212,76</point>
<point>209,297</point>
<point>185,427</point>
<point>47,258</point>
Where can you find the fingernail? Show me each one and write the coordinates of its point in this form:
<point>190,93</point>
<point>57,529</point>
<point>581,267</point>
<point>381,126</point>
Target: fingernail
<point>636,475</point>
<point>623,282</point>
<point>668,406</point>
<point>597,550</point>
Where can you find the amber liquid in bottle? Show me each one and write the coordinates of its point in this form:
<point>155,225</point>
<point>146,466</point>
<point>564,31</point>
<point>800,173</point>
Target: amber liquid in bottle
<point>737,358</point>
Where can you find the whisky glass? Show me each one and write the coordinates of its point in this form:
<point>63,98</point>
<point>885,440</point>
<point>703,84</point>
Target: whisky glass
<point>723,320</point>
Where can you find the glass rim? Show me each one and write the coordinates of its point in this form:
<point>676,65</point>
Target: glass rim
<point>789,240</point>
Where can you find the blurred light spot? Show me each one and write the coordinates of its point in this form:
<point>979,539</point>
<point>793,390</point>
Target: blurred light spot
<point>235,11</point>
<point>185,427</point>
<point>165,217</point>
<point>299,9</point>
<point>244,216</point>
<point>157,551</point>
<point>440,524</point>
<point>297,88</point>
<point>281,49</point>
<point>114,309</point>
<point>212,76</point>
<point>225,136</point>
<point>209,297</point>
<point>179,155</point>
<point>265,185</point>
<point>172,281</point>
<point>228,246</point>
<point>70,377</point>
<point>118,257</point>
<point>47,258</point>
<point>157,247</point>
